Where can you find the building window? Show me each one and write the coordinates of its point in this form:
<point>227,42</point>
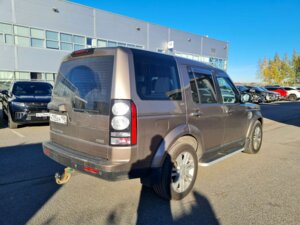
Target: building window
<point>6,75</point>
<point>37,38</point>
<point>50,76</point>
<point>121,44</point>
<point>6,28</point>
<point>91,42</point>
<point>36,33</point>
<point>66,42</point>
<point>9,39</point>
<point>35,76</point>
<point>52,44</point>
<point>139,46</point>
<point>22,75</point>
<point>102,43</point>
<point>66,46</point>
<point>37,43</point>
<point>66,38</point>
<point>50,35</point>
<point>112,44</point>
<point>21,31</point>
<point>79,42</point>
<point>52,40</point>
<point>22,41</point>
<point>1,38</point>
<point>130,45</point>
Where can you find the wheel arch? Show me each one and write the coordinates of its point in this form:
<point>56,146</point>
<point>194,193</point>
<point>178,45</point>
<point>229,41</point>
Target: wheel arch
<point>179,134</point>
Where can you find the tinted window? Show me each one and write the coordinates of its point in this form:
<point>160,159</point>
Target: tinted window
<point>202,88</point>
<point>32,89</point>
<point>227,90</point>
<point>242,88</point>
<point>156,76</point>
<point>87,83</point>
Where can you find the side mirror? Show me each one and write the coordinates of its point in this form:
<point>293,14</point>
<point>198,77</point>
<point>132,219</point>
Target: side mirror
<point>245,98</point>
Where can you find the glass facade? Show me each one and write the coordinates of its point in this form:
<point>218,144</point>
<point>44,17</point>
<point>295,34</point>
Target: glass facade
<point>39,38</point>
<point>216,62</point>
<point>25,36</point>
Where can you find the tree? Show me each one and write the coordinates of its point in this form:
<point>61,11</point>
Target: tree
<point>280,71</point>
<point>296,66</point>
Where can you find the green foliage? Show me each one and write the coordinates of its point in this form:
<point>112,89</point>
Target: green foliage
<point>280,71</point>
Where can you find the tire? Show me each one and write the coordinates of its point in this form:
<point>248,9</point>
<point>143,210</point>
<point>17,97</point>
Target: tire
<point>292,98</point>
<point>11,123</point>
<point>256,137</point>
<point>177,176</point>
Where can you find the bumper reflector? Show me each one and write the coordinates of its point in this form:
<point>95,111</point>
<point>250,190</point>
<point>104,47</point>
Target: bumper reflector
<point>89,169</point>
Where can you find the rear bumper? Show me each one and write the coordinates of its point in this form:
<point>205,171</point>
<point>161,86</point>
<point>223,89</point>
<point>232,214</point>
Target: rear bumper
<point>97,167</point>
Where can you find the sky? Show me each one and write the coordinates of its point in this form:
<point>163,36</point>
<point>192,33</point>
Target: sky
<point>254,29</point>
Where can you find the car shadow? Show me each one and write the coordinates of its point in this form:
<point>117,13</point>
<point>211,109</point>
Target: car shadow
<point>26,182</point>
<point>154,210</point>
<point>282,112</point>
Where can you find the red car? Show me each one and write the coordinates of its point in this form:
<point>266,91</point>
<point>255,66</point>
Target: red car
<point>283,93</point>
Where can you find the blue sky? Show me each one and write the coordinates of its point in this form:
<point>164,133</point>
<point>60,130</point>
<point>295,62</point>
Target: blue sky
<point>254,29</point>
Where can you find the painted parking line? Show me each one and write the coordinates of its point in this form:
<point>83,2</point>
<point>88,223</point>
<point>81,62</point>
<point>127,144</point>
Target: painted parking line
<point>17,133</point>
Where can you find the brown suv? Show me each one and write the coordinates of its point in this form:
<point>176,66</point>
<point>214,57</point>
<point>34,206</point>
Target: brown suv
<point>120,113</point>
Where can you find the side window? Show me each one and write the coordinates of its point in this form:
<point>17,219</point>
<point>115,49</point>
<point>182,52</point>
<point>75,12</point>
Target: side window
<point>156,76</point>
<point>202,88</point>
<point>227,90</point>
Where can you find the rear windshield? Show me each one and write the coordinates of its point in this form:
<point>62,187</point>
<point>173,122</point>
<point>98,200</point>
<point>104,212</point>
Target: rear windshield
<point>87,83</point>
<point>32,89</point>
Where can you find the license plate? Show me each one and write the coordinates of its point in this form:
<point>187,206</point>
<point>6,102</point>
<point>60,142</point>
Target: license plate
<point>62,119</point>
<point>42,114</point>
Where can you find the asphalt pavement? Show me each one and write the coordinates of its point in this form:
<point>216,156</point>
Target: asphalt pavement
<point>243,189</point>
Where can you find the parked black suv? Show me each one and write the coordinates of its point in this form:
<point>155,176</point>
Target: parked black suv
<point>26,102</point>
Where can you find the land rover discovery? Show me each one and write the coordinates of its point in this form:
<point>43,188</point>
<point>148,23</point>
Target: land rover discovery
<point>121,113</point>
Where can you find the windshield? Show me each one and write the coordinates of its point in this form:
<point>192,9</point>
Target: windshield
<point>32,89</point>
<point>259,88</point>
<point>242,88</point>
<point>86,83</point>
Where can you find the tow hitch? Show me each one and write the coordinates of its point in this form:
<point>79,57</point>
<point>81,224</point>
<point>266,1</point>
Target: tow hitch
<point>65,177</point>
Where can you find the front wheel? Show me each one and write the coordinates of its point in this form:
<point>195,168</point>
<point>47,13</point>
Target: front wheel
<point>178,173</point>
<point>256,136</point>
<point>11,123</point>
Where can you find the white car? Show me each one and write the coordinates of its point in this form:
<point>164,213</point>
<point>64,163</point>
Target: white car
<point>293,93</point>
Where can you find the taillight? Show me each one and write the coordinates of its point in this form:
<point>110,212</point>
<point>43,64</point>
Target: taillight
<point>123,123</point>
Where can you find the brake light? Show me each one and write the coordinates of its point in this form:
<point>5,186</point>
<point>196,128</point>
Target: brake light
<point>123,123</point>
<point>81,52</point>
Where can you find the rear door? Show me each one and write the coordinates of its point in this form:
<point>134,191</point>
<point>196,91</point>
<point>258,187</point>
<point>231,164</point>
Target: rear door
<point>203,108</point>
<point>82,95</point>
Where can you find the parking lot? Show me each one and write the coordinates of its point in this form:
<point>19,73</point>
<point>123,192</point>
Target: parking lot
<point>244,189</point>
